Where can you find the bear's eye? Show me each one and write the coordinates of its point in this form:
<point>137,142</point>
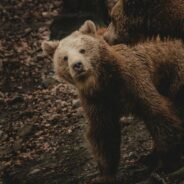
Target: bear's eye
<point>82,51</point>
<point>65,58</point>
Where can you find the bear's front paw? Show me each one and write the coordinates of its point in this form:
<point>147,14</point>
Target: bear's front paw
<point>104,180</point>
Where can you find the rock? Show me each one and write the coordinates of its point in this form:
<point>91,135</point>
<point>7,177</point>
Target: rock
<point>34,171</point>
<point>76,103</point>
<point>4,137</point>
<point>64,103</point>
<point>1,95</point>
<point>3,121</point>
<point>16,99</point>
<point>131,155</point>
<point>17,145</point>
<point>126,120</point>
<point>25,131</point>
<point>55,118</point>
<point>4,151</point>
<point>2,101</point>
<point>50,81</point>
<point>1,133</point>
<point>1,65</point>
<point>28,114</point>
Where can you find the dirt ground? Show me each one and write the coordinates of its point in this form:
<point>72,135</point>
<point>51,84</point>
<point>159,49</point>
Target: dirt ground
<point>41,122</point>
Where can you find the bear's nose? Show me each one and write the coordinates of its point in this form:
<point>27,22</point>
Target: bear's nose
<point>78,66</point>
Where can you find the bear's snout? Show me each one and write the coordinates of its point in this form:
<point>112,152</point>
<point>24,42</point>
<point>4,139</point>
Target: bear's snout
<point>79,70</point>
<point>78,66</point>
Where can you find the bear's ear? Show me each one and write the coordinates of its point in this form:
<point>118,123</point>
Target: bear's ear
<point>88,27</point>
<point>49,47</point>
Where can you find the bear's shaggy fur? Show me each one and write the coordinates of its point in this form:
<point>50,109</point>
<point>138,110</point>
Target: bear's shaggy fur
<point>137,20</point>
<point>146,81</point>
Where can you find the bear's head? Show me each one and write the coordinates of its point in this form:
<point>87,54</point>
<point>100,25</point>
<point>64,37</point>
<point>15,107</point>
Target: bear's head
<point>115,28</point>
<point>75,57</point>
<point>129,22</point>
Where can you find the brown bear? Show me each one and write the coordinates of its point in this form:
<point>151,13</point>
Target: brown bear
<point>135,20</point>
<point>146,80</point>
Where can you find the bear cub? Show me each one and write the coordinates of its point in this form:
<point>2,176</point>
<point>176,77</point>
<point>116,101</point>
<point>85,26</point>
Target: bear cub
<point>133,21</point>
<point>146,80</point>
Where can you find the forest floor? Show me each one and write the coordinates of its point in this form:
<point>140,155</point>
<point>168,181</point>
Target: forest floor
<point>41,122</point>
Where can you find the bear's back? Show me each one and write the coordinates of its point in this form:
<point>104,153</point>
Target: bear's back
<point>163,60</point>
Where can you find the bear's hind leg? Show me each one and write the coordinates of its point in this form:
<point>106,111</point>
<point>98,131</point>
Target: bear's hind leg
<point>165,126</point>
<point>166,129</point>
<point>168,147</point>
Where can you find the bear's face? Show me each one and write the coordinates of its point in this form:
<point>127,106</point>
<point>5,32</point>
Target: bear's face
<point>76,55</point>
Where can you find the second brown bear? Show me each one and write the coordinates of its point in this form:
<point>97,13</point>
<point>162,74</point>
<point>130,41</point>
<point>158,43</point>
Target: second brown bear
<point>136,20</point>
